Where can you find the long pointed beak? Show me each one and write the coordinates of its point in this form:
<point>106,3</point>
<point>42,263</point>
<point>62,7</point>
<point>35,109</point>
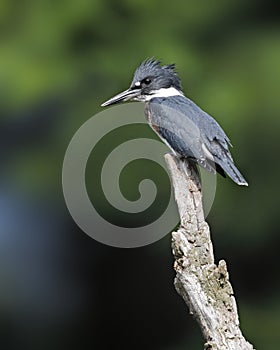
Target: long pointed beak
<point>122,97</point>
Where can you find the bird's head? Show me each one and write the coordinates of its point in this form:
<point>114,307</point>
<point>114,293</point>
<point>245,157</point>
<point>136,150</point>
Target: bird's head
<point>151,79</point>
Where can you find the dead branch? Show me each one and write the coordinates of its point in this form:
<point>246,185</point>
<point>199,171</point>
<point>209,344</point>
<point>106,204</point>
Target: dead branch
<point>203,285</point>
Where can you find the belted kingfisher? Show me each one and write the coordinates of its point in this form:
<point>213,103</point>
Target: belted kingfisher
<point>187,130</point>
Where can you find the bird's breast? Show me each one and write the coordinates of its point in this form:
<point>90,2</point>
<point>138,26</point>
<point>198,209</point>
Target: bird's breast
<point>149,118</point>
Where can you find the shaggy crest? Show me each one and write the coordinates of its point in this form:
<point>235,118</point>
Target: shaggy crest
<point>167,75</point>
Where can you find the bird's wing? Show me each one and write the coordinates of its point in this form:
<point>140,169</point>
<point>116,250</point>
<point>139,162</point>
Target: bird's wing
<point>178,114</point>
<point>178,122</point>
<point>178,131</point>
<point>192,133</point>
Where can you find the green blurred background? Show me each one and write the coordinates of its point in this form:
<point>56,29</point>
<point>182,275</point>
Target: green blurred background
<point>59,60</point>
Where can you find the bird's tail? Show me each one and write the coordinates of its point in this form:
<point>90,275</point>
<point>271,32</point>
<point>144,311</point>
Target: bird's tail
<point>232,171</point>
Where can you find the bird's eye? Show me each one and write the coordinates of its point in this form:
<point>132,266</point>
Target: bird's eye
<point>146,81</point>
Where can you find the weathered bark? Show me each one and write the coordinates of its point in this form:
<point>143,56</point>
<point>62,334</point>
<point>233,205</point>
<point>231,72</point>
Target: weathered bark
<point>203,285</point>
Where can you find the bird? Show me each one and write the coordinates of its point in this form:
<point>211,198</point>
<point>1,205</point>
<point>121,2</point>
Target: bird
<point>189,132</point>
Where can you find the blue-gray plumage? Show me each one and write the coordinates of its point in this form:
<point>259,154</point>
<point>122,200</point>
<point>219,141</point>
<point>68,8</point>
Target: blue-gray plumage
<point>188,131</point>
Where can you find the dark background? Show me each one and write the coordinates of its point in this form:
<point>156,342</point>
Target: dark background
<point>59,60</point>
